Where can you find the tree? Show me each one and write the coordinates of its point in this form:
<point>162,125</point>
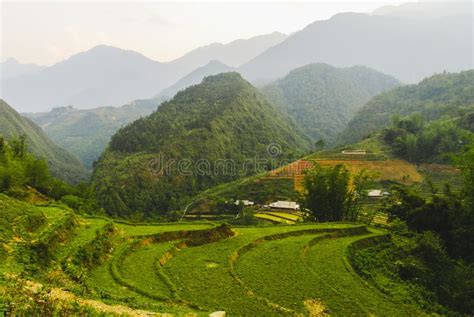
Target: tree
<point>465,161</point>
<point>319,145</point>
<point>37,174</point>
<point>330,195</point>
<point>18,146</point>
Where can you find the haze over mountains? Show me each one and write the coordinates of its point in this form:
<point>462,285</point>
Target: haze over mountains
<point>109,76</point>
<point>11,68</point>
<point>196,76</point>
<point>409,42</point>
<point>397,41</point>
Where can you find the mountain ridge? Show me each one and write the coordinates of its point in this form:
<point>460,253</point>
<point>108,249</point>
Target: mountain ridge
<point>381,42</point>
<point>61,163</point>
<point>110,76</point>
<point>86,132</point>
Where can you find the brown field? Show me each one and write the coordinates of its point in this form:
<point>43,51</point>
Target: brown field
<point>396,170</point>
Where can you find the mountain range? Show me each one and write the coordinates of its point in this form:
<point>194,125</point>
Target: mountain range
<point>408,42</point>
<point>109,76</point>
<point>62,164</point>
<point>86,132</point>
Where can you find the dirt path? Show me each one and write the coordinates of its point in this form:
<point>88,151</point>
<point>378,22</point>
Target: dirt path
<point>57,294</point>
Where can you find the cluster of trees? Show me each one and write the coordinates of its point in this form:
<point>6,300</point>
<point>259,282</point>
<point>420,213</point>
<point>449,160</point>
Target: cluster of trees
<point>415,141</point>
<point>20,171</point>
<point>332,194</point>
<point>18,168</point>
<point>415,268</point>
<point>442,226</point>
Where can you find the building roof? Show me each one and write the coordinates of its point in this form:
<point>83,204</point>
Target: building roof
<point>356,152</point>
<point>283,204</point>
<point>375,193</point>
<point>245,202</point>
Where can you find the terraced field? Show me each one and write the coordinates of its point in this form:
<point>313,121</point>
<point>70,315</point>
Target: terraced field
<point>197,268</point>
<point>275,270</point>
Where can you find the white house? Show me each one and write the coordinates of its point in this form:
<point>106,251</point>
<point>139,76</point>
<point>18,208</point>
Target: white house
<point>283,204</point>
<point>354,152</point>
<point>246,203</point>
<point>377,193</point>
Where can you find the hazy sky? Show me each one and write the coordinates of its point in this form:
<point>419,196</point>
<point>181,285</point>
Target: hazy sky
<point>47,32</point>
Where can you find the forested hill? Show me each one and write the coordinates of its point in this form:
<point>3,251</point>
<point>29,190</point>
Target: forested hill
<point>61,163</point>
<point>322,98</point>
<point>223,118</point>
<point>434,97</point>
<point>86,132</point>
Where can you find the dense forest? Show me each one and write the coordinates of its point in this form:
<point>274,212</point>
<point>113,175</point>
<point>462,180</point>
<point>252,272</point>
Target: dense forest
<point>322,99</point>
<point>222,120</point>
<point>442,95</point>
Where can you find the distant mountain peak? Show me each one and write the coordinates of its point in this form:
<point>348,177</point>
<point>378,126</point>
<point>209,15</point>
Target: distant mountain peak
<point>11,60</point>
<point>215,62</point>
<point>213,67</point>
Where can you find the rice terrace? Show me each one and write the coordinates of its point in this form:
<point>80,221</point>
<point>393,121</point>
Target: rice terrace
<point>168,268</point>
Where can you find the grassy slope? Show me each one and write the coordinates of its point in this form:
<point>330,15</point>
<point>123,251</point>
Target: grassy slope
<point>61,163</point>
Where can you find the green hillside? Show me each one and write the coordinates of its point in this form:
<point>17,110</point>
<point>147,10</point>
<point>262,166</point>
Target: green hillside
<point>61,163</point>
<point>322,98</point>
<point>441,95</point>
<point>188,143</point>
<point>86,132</point>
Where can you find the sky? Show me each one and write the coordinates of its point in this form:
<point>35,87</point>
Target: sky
<point>45,33</point>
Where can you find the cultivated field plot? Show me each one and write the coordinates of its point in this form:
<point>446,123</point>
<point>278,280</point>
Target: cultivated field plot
<point>389,169</point>
<point>259,271</point>
<point>279,217</point>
